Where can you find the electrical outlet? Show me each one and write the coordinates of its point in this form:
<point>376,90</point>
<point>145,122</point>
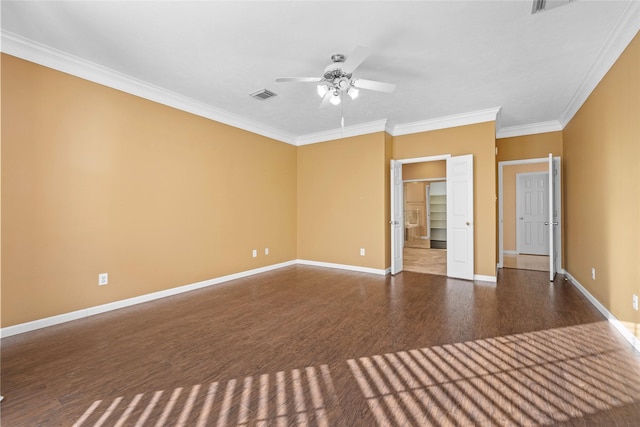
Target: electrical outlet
<point>362,252</point>
<point>635,302</point>
<point>266,251</point>
<point>103,279</point>
<point>593,273</point>
<point>254,253</point>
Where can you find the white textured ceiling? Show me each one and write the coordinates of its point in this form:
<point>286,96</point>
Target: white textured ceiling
<point>446,57</point>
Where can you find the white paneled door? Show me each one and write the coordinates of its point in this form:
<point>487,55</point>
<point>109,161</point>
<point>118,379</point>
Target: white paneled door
<point>397,217</point>
<point>460,217</point>
<point>532,207</point>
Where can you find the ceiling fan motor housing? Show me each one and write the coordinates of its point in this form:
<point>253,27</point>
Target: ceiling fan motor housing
<point>334,71</point>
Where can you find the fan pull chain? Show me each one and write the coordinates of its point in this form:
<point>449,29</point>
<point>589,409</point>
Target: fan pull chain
<point>342,117</point>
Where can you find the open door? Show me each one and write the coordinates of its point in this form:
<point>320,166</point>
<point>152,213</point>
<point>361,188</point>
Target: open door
<point>554,216</point>
<point>397,216</point>
<point>460,227</point>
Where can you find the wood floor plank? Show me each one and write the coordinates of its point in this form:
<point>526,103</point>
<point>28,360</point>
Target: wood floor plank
<point>324,347</point>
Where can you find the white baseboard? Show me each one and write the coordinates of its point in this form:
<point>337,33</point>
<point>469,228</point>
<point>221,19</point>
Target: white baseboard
<point>635,342</point>
<point>482,278</point>
<point>90,311</point>
<point>345,267</point>
<point>506,252</point>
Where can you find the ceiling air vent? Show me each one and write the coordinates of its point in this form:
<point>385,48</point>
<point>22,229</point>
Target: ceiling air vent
<point>540,5</point>
<point>263,94</point>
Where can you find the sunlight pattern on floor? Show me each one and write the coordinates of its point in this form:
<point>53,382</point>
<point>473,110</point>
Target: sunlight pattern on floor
<point>533,378</point>
<point>300,396</point>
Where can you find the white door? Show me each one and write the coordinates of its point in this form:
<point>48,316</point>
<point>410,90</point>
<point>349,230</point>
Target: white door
<point>532,207</point>
<point>553,220</point>
<point>427,202</point>
<point>397,217</point>
<point>460,217</point>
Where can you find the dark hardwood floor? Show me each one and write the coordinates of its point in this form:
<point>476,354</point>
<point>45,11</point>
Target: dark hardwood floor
<point>313,346</point>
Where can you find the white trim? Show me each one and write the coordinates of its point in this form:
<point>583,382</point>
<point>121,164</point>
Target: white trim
<point>38,53</point>
<point>344,267</point>
<point>501,250</point>
<point>80,314</point>
<point>348,131</point>
<point>634,341</point>
<point>424,159</point>
<point>103,308</point>
<point>483,278</point>
<point>47,56</point>
<point>621,35</point>
<point>616,43</point>
<point>470,118</point>
<point>41,54</point>
<point>530,129</point>
<point>425,180</point>
<point>506,252</point>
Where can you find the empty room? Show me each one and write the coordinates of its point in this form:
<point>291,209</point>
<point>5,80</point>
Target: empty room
<point>320,213</point>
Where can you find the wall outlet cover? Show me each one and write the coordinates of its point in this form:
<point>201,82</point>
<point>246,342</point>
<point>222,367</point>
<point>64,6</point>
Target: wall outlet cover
<point>103,279</point>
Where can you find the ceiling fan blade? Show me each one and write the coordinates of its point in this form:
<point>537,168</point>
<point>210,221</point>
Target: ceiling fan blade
<point>374,85</point>
<point>355,59</point>
<point>299,79</point>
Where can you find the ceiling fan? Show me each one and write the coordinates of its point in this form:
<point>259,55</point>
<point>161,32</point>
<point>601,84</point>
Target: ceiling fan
<point>337,78</point>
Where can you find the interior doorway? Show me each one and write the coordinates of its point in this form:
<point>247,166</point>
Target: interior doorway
<point>529,214</point>
<point>425,237</point>
<point>460,214</point>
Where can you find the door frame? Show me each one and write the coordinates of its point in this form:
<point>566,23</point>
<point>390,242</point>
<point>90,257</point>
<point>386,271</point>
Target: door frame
<point>501,210</point>
<point>403,162</point>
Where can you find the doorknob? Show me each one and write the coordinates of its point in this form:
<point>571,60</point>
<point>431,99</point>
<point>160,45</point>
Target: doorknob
<point>468,223</point>
<point>546,223</point>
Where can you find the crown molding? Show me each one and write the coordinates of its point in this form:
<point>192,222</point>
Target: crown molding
<point>620,37</point>
<point>622,34</point>
<point>349,131</point>
<point>470,118</point>
<point>530,129</point>
<point>47,56</point>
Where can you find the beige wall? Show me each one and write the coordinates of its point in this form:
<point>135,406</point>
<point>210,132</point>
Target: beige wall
<point>529,146</point>
<point>479,140</point>
<point>424,170</point>
<point>602,193</point>
<point>509,215</point>
<point>342,201</point>
<point>95,180</point>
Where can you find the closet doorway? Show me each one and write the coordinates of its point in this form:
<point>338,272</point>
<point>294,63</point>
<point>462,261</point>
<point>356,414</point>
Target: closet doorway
<point>425,217</point>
